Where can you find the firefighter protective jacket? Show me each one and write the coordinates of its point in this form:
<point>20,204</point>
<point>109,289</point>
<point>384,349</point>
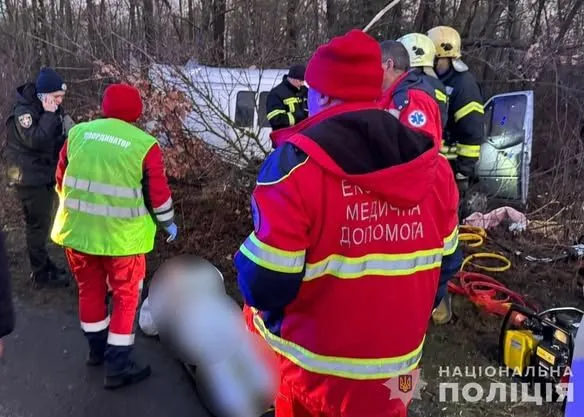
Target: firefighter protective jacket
<point>420,102</point>
<point>286,105</point>
<point>465,127</point>
<point>353,215</point>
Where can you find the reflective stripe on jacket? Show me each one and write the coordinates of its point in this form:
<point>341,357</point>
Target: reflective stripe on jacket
<point>102,210</point>
<point>343,265</point>
<point>286,105</point>
<point>345,268</point>
<point>465,129</point>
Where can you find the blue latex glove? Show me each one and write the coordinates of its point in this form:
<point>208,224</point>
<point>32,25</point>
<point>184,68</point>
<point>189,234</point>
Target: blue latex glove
<point>172,231</point>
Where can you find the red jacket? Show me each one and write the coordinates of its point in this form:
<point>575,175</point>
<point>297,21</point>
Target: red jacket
<point>353,213</point>
<point>416,107</point>
<point>156,188</point>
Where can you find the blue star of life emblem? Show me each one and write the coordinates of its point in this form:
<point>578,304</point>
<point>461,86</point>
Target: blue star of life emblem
<point>417,118</point>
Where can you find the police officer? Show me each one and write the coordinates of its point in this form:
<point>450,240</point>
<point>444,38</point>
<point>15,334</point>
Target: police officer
<point>464,132</point>
<point>286,104</point>
<point>36,132</point>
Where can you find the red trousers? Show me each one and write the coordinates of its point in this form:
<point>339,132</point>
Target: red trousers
<point>287,405</point>
<point>123,276</point>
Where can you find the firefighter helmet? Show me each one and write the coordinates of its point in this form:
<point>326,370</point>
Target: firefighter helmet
<point>447,42</point>
<point>420,48</point>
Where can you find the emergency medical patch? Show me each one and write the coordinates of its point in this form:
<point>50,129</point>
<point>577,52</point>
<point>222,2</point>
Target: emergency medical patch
<point>417,118</point>
<point>255,215</point>
<point>25,120</point>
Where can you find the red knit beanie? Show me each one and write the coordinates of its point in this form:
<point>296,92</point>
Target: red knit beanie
<point>122,101</point>
<point>347,68</point>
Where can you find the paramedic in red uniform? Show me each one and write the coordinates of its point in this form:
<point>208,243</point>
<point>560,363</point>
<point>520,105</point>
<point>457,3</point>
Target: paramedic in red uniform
<point>112,190</point>
<point>407,92</point>
<point>353,215</point>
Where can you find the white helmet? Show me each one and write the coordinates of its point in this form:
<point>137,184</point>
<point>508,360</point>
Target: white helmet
<point>421,50</point>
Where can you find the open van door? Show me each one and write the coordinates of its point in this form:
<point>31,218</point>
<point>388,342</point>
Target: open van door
<point>503,168</point>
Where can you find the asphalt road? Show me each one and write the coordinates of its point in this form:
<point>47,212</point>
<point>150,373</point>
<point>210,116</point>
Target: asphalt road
<point>43,375</point>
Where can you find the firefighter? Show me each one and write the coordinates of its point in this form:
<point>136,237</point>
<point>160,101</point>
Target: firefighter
<point>349,199</point>
<point>36,130</point>
<point>465,127</point>
<point>415,98</point>
<point>422,52</point>
<point>112,190</point>
<point>286,102</point>
<point>464,130</point>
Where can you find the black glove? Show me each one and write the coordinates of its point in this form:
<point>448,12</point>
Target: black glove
<point>301,111</point>
<point>463,183</point>
<point>465,166</point>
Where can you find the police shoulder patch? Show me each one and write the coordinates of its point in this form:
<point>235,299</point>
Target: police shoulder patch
<point>25,120</point>
<point>280,164</point>
<point>417,118</point>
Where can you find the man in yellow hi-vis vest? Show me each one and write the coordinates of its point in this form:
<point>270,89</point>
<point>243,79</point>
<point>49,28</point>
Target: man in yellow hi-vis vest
<point>112,190</point>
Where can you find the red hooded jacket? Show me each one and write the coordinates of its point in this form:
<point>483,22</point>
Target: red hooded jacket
<point>353,213</point>
<point>413,102</point>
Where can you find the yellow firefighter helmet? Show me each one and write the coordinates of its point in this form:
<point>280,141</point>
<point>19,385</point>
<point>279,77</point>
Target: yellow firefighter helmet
<point>447,42</point>
<point>420,48</point>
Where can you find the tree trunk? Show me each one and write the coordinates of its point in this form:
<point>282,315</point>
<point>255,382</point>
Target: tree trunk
<point>291,29</point>
<point>463,13</point>
<point>149,28</point>
<point>331,17</point>
<point>537,21</point>
<point>91,30</point>
<point>567,22</point>
<point>219,10</point>
<point>424,17</point>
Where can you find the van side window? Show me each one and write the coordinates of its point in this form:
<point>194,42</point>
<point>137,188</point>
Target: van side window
<point>244,109</point>
<point>262,113</point>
